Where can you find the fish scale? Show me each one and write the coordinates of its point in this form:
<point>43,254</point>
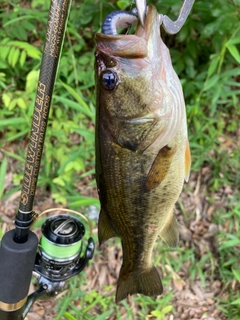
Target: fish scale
<point>142,150</point>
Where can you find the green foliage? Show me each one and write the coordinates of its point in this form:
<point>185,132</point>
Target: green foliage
<point>160,314</point>
<point>72,115</point>
<point>210,67</point>
<point>13,52</point>
<point>79,304</point>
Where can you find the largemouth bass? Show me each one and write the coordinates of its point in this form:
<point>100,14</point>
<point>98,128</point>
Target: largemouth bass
<point>142,150</point>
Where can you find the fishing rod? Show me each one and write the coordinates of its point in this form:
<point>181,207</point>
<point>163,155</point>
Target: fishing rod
<point>59,255</point>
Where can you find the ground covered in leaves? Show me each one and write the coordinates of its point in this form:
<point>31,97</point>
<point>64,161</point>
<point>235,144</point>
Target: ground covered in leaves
<point>192,274</point>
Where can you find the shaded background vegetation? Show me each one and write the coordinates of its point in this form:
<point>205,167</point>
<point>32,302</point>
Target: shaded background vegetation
<point>205,55</point>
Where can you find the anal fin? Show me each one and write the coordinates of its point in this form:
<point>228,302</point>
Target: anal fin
<point>169,232</point>
<point>105,230</point>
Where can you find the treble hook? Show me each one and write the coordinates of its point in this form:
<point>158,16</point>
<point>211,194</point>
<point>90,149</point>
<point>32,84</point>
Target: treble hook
<point>171,27</point>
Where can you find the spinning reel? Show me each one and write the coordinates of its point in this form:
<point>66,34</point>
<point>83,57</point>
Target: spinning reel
<point>60,254</point>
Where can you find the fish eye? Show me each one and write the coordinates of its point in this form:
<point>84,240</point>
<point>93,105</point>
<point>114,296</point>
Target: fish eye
<point>109,79</point>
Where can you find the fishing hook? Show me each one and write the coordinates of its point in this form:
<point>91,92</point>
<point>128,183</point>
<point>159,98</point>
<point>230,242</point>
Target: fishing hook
<point>171,27</point>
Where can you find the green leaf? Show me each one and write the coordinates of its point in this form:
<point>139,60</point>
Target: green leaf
<point>11,54</point>
<point>231,73</point>
<point>237,301</point>
<point>22,58</point>
<point>16,136</point>
<point>21,103</point>
<point>4,51</point>
<point>14,156</point>
<point>71,104</point>
<point>123,4</point>
<point>15,57</point>
<point>32,80</point>
<point>156,313</point>
<point>86,201</point>
<point>13,21</point>
<point>77,165</point>
<point>12,104</point>
<point>236,274</point>
<point>230,244</point>
<point>59,181</point>
<point>32,51</point>
<point>213,65</point>
<point>234,40</point>
<point>79,99</point>
<point>211,82</point>
<point>234,52</point>
<point>2,76</point>
<point>68,316</point>
<point>86,133</point>
<point>104,315</point>
<point>5,40</point>
<point>6,98</point>
<point>64,306</point>
<point>167,309</point>
<point>3,171</point>
<point>12,122</point>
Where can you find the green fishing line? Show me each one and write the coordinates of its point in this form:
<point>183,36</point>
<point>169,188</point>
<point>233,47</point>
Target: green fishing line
<point>60,251</point>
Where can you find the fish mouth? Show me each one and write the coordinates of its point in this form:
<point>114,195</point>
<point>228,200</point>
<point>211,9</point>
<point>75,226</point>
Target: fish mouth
<point>131,45</point>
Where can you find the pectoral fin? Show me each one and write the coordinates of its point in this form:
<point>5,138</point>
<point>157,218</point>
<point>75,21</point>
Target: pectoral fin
<point>187,161</point>
<point>105,230</point>
<point>160,167</point>
<point>169,232</point>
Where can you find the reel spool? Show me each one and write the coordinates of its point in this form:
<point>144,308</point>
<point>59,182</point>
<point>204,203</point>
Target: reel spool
<point>60,255</point>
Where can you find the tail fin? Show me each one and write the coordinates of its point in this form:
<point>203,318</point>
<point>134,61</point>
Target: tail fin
<point>147,282</point>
